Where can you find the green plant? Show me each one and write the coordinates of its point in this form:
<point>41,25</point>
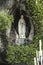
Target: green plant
<point>18,54</point>
<point>35,9</point>
<point>5,20</point>
<point>26,54</point>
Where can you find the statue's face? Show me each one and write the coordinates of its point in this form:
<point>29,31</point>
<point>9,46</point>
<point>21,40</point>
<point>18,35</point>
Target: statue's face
<point>22,17</point>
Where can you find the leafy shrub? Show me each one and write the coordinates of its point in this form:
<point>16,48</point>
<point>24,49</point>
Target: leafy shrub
<point>35,9</point>
<point>18,54</point>
<point>26,54</point>
<point>5,20</point>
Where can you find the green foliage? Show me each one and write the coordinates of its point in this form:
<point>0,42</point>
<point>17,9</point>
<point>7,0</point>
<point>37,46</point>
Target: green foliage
<point>18,54</point>
<point>35,8</point>
<point>26,54</point>
<point>5,20</point>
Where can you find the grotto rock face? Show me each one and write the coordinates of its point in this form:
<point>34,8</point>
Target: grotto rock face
<point>5,4</point>
<point>10,3</point>
<point>18,8</point>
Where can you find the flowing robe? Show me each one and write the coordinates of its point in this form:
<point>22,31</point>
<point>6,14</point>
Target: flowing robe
<point>21,28</point>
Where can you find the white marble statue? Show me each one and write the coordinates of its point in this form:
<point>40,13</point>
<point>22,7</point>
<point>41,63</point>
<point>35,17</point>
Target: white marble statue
<point>21,27</point>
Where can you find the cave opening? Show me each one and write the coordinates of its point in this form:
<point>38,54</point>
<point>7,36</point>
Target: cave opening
<point>17,16</point>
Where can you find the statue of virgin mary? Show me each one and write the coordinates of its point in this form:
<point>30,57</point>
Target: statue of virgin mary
<point>21,27</point>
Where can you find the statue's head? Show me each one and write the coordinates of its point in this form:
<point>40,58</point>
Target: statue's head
<point>22,16</point>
